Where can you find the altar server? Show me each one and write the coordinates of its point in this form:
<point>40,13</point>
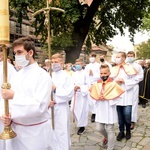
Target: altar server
<point>63,92</point>
<point>79,104</point>
<point>30,94</point>
<point>106,93</point>
<point>139,77</point>
<point>125,76</point>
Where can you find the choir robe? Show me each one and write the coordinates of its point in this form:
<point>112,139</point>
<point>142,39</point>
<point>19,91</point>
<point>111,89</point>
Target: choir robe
<point>144,93</point>
<point>106,108</point>
<point>139,77</point>
<point>10,73</point>
<point>79,103</point>
<point>29,110</point>
<point>62,94</point>
<point>95,67</point>
<point>128,74</point>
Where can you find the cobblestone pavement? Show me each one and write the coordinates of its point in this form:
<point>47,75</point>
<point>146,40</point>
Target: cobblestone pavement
<point>92,139</point>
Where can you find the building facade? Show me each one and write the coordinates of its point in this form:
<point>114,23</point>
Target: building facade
<point>18,30</point>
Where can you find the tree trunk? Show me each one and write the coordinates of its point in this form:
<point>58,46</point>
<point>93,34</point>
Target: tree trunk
<point>80,32</point>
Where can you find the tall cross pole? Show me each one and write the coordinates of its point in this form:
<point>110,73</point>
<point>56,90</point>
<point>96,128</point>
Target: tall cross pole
<point>46,11</point>
<point>7,133</point>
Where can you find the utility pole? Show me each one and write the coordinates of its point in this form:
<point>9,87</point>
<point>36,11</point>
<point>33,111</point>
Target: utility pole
<point>46,12</point>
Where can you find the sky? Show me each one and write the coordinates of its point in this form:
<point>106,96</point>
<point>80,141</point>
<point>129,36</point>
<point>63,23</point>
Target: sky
<point>123,42</point>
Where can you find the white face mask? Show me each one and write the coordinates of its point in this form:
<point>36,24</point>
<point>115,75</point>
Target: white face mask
<point>118,60</point>
<point>56,67</point>
<point>130,59</point>
<point>92,59</point>
<point>21,60</point>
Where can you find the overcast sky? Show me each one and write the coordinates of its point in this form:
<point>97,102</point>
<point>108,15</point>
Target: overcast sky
<point>124,43</point>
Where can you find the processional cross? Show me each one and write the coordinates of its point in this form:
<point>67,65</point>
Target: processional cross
<point>46,11</point>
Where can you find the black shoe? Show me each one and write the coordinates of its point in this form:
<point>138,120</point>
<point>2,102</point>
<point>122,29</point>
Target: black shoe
<point>144,105</point>
<point>93,118</point>
<point>81,130</point>
<point>120,136</point>
<point>128,135</point>
<point>132,126</point>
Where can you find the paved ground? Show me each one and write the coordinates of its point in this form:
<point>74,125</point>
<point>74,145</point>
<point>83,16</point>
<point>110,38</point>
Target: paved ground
<point>92,139</point>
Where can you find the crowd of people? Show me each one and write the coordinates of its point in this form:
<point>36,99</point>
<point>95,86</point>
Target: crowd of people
<point>104,89</point>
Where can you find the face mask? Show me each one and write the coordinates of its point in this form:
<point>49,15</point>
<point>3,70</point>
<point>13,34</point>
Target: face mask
<point>21,60</point>
<point>83,67</point>
<point>130,59</point>
<point>92,59</point>
<point>102,59</point>
<point>118,60</point>
<point>104,78</point>
<point>78,67</point>
<point>56,67</point>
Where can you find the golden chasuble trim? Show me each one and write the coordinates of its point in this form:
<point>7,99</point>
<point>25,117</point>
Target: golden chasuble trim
<point>111,90</point>
<point>129,70</point>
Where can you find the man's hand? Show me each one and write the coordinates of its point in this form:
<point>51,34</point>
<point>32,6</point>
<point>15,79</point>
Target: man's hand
<point>53,87</point>
<point>101,97</point>
<point>91,73</point>
<point>76,88</point>
<point>51,103</point>
<point>6,120</point>
<point>120,80</point>
<point>7,94</point>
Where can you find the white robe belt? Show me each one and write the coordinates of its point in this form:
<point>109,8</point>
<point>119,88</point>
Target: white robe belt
<point>30,124</point>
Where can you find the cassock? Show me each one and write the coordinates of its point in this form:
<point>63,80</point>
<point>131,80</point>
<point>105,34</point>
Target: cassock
<point>11,72</point>
<point>106,107</point>
<point>144,92</point>
<point>29,110</point>
<point>95,68</point>
<point>79,103</point>
<point>128,74</point>
<point>139,77</point>
<point>62,95</point>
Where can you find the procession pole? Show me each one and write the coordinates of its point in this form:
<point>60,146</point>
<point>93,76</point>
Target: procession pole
<point>7,133</point>
<point>47,24</point>
<point>47,21</point>
<point>48,31</point>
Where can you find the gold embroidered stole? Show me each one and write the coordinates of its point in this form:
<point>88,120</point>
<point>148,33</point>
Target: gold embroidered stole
<point>109,89</point>
<point>128,69</point>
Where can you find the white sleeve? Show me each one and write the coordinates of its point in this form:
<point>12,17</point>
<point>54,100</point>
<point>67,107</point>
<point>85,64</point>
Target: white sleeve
<point>34,105</point>
<point>65,91</point>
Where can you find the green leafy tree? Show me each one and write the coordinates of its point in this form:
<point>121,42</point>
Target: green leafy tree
<point>143,51</point>
<point>146,21</point>
<point>99,21</point>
